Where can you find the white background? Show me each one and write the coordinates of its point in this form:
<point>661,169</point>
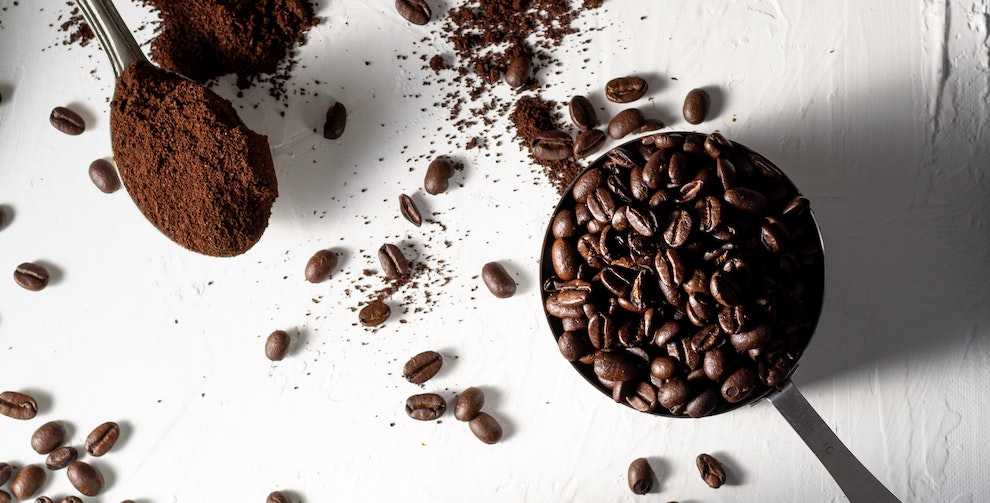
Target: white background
<point>876,109</point>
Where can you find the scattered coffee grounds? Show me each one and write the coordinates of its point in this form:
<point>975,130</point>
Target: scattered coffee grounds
<point>79,33</point>
<point>530,116</point>
<point>204,39</point>
<point>189,163</point>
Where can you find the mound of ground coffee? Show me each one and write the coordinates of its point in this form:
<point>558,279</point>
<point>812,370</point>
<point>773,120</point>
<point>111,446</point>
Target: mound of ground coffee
<point>189,163</point>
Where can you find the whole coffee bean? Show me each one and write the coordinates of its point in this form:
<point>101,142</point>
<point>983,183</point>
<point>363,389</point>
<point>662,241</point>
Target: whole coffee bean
<point>5,472</point>
<point>625,89</point>
<point>85,477</point>
<point>68,122</point>
<point>438,173</point>
<point>518,71</point>
<point>61,457</point>
<point>47,437</point>
<point>643,397</point>
<point>711,470</point>
<point>3,218</point>
<point>375,313</point>
<point>582,113</point>
<point>486,428</point>
<point>585,185</point>
<point>393,261</point>
<point>426,406</point>
<point>72,499</point>
<point>625,122</point>
<point>717,146</point>
<point>276,346</point>
<point>320,265</point>
<point>678,229</point>
<point>703,404</point>
<point>739,385</point>
<point>422,367</point>
<point>650,125</point>
<point>572,345</point>
<point>31,276</point>
<point>409,210</point>
<point>18,406</point>
<point>553,145</point>
<point>104,176</point>
<point>672,394</point>
<point>498,280</point>
<point>616,366</point>
<point>565,259</point>
<point>44,499</point>
<point>277,497</point>
<point>469,404</point>
<point>588,142</point>
<point>756,337</point>
<point>336,121</point>
<point>4,496</point>
<point>695,106</point>
<point>28,482</point>
<point>640,476</point>
<point>564,224</point>
<point>415,11</point>
<point>746,201</point>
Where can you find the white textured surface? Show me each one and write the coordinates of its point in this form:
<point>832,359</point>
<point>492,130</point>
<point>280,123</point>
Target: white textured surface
<point>877,110</point>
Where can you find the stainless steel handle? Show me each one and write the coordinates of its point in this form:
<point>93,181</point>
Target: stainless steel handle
<point>858,484</point>
<point>112,33</point>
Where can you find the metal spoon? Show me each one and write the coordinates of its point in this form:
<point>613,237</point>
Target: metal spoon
<point>112,33</point>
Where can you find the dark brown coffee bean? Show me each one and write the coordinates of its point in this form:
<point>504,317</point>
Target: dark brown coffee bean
<point>498,280</point>
<point>518,71</point>
<point>707,339</point>
<point>85,477</point>
<point>757,337</point>
<point>68,122</point>
<point>438,173</point>
<point>586,185</point>
<point>72,499</point>
<point>695,106</point>
<point>717,146</point>
<point>555,308</point>
<point>564,224</point>
<point>375,313</point>
<point>393,262</point>
<point>673,394</point>
<point>588,142</point>
<point>650,125</point>
<point>104,436</point>
<point>278,497</point>
<point>616,366</point>
<point>572,345</point>
<point>320,265</point>
<point>565,259</point>
<point>793,209</point>
<point>711,470</point>
<point>415,11</point>
<point>276,346</point>
<point>725,171</point>
<point>61,457</point>
<point>582,113</point>
<point>28,482</point>
<point>44,499</point>
<point>426,406</point>
<point>709,210</point>
<point>5,497</point>
<point>703,404</point>
<point>422,367</point>
<point>18,405</point>
<point>469,404</point>
<point>738,386</point>
<point>31,276</point>
<point>726,289</point>
<point>643,397</point>
<point>5,472</point>
<point>574,293</point>
<point>746,201</point>
<point>486,428</point>
<point>678,228</point>
<point>409,211</point>
<point>47,437</point>
<point>773,235</point>
<point>553,145</point>
<point>104,176</point>
<point>625,89</point>
<point>625,122</point>
<point>640,476</point>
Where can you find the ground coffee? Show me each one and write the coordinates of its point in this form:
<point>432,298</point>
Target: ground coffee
<point>189,163</point>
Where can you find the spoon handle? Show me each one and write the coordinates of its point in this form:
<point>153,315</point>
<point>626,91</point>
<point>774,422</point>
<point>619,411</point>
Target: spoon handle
<point>858,484</point>
<point>112,33</point>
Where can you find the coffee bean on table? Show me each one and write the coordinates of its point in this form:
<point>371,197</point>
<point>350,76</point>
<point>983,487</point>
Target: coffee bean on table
<point>711,470</point>
<point>72,499</point>
<point>5,497</point>
<point>409,210</point>
<point>625,122</point>
<point>498,280</point>
<point>695,106</point>
<point>336,121</point>
<point>625,89</point>
<point>320,265</point>
<point>582,113</point>
<point>278,497</point>
<point>104,176</point>
<point>393,261</point>
<point>18,405</point>
<point>375,313</point>
<point>552,145</point>
<point>85,477</point>
<point>277,345</point>
<point>469,404</point>
<point>47,437</point>
<point>438,173</point>
<point>28,482</point>
<point>650,125</point>
<point>31,276</point>
<point>640,476</point>
<point>415,11</point>
<point>486,428</point>
<point>588,142</point>
<point>422,367</point>
<point>426,406</point>
<point>518,71</point>
<point>61,457</point>
<point>67,121</point>
<point>44,499</point>
<point>5,472</point>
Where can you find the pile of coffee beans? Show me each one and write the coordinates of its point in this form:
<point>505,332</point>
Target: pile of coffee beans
<point>482,424</point>
<point>683,274</point>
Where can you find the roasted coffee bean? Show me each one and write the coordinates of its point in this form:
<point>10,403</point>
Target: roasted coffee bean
<point>703,404</point>
<point>5,472</point>
<point>336,121</point>
<point>104,176</point>
<point>72,499</point>
<point>68,122</point>
<point>61,457</point>
<point>422,367</point>
<point>625,89</point>
<point>673,394</point>
<point>643,397</point>
<point>375,313</point>
<point>85,477</point>
<point>278,497</point>
<point>565,259</point>
<point>393,262</point>
<point>426,406</point>
<point>44,499</point>
<point>553,145</point>
<point>746,201</point>
<point>709,210</point>
<point>31,276</point>
<point>793,209</point>
<point>3,217</point>
<point>582,113</point>
<point>717,146</point>
<point>5,497</point>
<point>564,224</point>
<point>276,346</point>
<point>726,288</point>
<point>640,476</point>
<point>725,171</point>
<point>616,366</point>
<point>409,210</point>
<point>714,365</point>
<point>498,280</point>
<point>711,470</point>
<point>773,235</point>
<point>650,125</point>
<point>586,185</point>
<point>678,228</point>
<point>486,428</point>
<point>707,339</point>
<point>574,324</point>
<point>574,293</point>
<point>27,482</point>
<point>518,71</point>
<point>643,223</point>
<point>757,337</point>
<point>469,404</point>
<point>18,405</point>
<point>663,368</point>
<point>625,122</point>
<point>47,437</point>
<point>320,265</point>
<point>738,386</point>
<point>438,173</point>
<point>695,106</point>
<point>572,345</point>
<point>556,309</point>
<point>588,142</point>
<point>415,11</point>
